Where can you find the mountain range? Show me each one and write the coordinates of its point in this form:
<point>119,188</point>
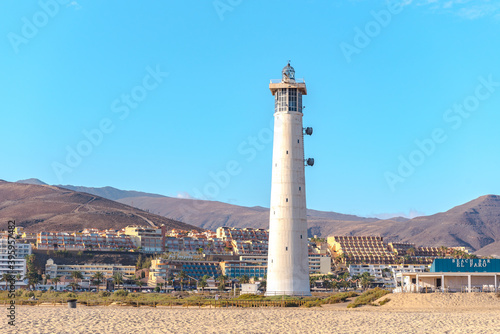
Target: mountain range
<point>475,224</point>
<point>40,207</point>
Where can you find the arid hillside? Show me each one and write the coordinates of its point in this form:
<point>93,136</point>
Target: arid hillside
<point>49,208</point>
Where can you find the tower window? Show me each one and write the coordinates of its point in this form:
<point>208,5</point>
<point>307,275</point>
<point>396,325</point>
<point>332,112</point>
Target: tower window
<point>286,248</point>
<point>275,165</point>
<point>301,236</point>
<point>287,200</point>
<point>300,188</point>
<point>286,152</point>
<point>298,140</point>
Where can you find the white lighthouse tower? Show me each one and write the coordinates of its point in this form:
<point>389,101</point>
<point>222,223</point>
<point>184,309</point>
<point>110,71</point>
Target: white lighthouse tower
<point>288,263</point>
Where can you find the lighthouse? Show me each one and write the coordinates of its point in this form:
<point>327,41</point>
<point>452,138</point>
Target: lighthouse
<point>288,263</point>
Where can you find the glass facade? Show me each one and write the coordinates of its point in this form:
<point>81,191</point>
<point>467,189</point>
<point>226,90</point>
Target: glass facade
<point>200,269</point>
<point>288,99</point>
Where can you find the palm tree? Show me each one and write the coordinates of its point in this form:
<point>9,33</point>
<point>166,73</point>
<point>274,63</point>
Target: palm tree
<point>45,280</point>
<point>56,280</point>
<point>244,279</point>
<point>366,280</point>
<point>97,279</point>
<point>182,276</point>
<point>139,283</point>
<point>76,275</point>
<point>138,264</point>
<point>118,278</point>
<point>312,281</point>
<point>73,286</point>
<point>222,286</point>
<point>161,286</point>
<point>203,284</point>
<point>5,278</point>
<point>222,279</point>
<point>32,279</point>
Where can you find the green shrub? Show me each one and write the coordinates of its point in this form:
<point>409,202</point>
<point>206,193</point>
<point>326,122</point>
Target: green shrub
<point>29,294</point>
<point>104,294</point>
<point>295,303</point>
<point>249,296</point>
<point>385,301</point>
<point>368,297</point>
<point>340,297</point>
<point>123,293</point>
<point>71,295</point>
<point>313,303</point>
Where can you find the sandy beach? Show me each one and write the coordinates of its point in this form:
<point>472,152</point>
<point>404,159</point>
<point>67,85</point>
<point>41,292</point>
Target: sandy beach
<point>408,313</point>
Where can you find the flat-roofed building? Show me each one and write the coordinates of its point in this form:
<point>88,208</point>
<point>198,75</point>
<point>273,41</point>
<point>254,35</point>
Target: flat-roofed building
<point>87,270</point>
<point>320,264</point>
<point>236,233</point>
<point>256,265</point>
<point>454,275</point>
<point>162,269</point>
<point>385,273</point>
<point>88,239</point>
<point>251,266</point>
<point>361,249</point>
<point>149,239</point>
<point>14,266</point>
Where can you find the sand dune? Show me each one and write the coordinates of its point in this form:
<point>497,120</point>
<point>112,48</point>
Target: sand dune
<point>409,313</point>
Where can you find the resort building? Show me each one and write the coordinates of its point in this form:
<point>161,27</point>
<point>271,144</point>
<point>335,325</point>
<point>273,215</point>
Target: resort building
<point>454,275</point>
<point>148,239</point>
<point>361,249</point>
<point>384,274</point>
<point>256,265</point>
<point>88,239</point>
<point>249,246</point>
<point>320,264</point>
<point>414,254</point>
<point>235,233</point>
<point>15,266</point>
<point>87,270</point>
<point>22,249</point>
<point>164,268</point>
<point>252,266</point>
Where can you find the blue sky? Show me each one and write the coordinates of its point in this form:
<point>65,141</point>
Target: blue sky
<point>172,97</point>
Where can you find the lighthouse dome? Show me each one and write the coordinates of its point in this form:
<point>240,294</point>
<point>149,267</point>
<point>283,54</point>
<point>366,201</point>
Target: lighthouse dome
<point>288,73</point>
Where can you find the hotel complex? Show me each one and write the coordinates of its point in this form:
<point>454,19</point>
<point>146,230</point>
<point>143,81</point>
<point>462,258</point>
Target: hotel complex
<point>238,252</point>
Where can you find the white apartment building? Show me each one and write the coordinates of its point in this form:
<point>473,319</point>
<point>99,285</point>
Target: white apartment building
<point>385,273</point>
<point>19,265</point>
<point>87,270</point>
<point>320,264</point>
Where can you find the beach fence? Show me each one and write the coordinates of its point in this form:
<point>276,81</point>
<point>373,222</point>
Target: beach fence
<point>174,303</point>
